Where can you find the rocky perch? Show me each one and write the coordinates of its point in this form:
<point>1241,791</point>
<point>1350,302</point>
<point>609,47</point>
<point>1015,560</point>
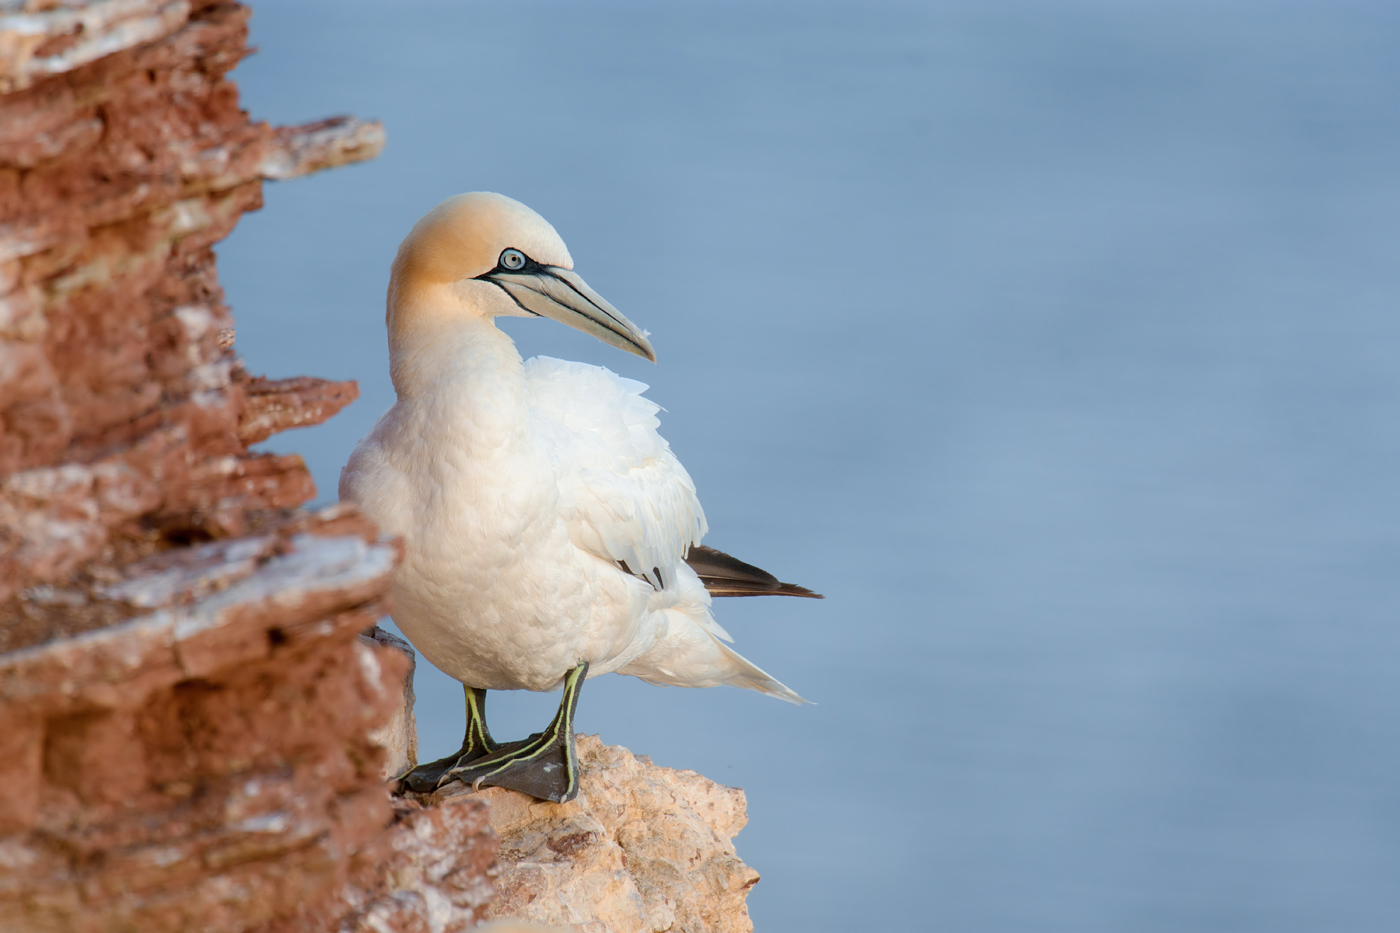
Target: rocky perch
<point>641,848</point>
<point>197,717</point>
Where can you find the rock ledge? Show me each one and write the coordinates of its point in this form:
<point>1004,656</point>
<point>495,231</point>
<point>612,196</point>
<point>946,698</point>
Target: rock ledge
<point>642,848</point>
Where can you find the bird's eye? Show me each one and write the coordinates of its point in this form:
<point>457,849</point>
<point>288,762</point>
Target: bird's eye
<point>512,259</point>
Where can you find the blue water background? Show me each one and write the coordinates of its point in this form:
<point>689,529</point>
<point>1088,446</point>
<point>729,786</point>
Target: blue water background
<point>1057,343</point>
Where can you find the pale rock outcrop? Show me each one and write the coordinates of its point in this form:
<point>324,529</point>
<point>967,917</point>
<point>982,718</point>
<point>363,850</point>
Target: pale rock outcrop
<point>399,736</point>
<point>642,848</point>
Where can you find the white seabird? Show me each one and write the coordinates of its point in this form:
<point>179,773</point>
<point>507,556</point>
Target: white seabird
<point>549,532</point>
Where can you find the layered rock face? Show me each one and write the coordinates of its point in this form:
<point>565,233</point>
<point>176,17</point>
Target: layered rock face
<point>125,416</point>
<point>195,730</point>
<point>191,727</point>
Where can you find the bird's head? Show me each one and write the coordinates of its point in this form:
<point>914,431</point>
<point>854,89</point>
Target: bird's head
<point>487,255</point>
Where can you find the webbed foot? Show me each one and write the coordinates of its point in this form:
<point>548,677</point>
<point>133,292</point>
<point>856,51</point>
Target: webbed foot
<point>477,744</point>
<point>545,765</point>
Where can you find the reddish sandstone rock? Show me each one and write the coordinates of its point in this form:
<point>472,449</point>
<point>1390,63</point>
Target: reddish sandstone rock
<point>189,719</point>
<point>124,416</point>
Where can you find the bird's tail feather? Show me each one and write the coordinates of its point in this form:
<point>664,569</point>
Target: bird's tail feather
<point>700,659</point>
<point>752,677</point>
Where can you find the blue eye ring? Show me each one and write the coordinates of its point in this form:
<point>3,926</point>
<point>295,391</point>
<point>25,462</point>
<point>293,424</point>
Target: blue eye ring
<point>512,260</point>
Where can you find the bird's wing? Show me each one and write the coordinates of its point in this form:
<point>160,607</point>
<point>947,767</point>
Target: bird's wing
<point>624,495</point>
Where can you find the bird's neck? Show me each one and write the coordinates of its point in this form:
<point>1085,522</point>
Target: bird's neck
<point>460,361</point>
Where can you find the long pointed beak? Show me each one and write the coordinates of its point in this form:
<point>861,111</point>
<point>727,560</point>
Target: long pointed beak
<point>562,296</point>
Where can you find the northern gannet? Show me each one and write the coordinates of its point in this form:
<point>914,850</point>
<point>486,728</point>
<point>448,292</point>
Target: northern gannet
<point>549,532</point>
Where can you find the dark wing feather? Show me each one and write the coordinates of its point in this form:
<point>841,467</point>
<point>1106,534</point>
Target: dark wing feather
<point>728,576</point>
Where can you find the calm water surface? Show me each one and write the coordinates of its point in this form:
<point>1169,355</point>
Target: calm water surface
<point>1056,343</point>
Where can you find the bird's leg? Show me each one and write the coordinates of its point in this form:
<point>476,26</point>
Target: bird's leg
<point>544,766</point>
<point>476,744</point>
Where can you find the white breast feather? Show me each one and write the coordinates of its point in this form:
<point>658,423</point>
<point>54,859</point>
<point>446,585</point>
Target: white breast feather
<point>623,494</point>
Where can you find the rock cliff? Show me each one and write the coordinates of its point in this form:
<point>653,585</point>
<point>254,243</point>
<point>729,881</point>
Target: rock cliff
<point>191,728</point>
<point>196,715</point>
